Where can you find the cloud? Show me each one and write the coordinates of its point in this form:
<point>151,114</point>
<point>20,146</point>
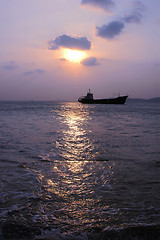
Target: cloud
<point>107,5</point>
<point>90,61</point>
<point>111,30</point>
<point>36,71</point>
<point>114,28</point>
<point>139,5</point>
<point>63,59</point>
<point>133,18</point>
<point>11,65</point>
<point>39,71</point>
<point>80,43</point>
<point>137,13</point>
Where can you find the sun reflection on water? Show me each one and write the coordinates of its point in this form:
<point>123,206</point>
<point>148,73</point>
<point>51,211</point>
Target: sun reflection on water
<point>75,143</point>
<point>74,180</point>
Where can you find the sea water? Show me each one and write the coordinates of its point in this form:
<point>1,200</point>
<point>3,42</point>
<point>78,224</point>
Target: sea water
<point>69,170</point>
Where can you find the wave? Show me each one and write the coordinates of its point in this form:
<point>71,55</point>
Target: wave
<point>22,231</point>
<point>143,232</point>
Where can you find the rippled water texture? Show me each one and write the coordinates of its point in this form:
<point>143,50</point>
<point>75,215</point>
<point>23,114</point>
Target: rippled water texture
<point>78,167</point>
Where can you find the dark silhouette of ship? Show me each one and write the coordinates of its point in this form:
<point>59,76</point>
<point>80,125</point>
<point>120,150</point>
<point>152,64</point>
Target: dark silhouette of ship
<point>89,99</point>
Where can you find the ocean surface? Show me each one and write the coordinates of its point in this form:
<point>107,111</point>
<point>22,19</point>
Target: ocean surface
<point>74,171</point>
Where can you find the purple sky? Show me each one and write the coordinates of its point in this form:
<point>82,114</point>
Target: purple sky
<point>117,42</point>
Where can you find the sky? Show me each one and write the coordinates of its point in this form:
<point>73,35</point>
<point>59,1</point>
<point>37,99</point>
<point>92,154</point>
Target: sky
<point>53,50</point>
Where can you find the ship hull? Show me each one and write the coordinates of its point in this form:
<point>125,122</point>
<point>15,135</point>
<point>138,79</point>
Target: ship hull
<point>118,100</point>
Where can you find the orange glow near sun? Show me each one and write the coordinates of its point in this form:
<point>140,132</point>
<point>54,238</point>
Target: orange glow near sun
<point>74,55</point>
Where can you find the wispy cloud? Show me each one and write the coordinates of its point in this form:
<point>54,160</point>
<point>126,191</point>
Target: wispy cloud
<point>135,17</point>
<point>11,65</point>
<point>111,30</point>
<point>36,71</point>
<point>90,61</point>
<point>136,14</point>
<point>107,5</point>
<point>80,43</point>
<point>139,5</point>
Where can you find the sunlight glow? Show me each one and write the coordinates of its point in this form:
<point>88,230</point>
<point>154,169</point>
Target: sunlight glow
<point>74,55</point>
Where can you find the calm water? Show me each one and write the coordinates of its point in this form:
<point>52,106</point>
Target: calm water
<point>68,167</point>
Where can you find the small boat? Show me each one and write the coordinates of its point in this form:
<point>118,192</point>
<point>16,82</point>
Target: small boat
<point>89,99</point>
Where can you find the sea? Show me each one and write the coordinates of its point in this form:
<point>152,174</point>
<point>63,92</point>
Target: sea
<point>80,171</point>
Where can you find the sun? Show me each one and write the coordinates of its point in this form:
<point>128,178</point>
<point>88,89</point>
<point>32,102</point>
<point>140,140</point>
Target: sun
<point>74,55</point>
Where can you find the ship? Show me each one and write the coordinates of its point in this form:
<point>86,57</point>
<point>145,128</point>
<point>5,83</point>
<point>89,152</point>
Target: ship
<point>90,100</point>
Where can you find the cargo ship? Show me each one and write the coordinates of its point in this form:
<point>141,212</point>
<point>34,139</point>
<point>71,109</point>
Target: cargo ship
<point>90,100</point>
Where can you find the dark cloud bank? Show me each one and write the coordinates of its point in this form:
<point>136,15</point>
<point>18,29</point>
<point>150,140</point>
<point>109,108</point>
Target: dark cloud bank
<point>107,5</point>
<point>79,43</point>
